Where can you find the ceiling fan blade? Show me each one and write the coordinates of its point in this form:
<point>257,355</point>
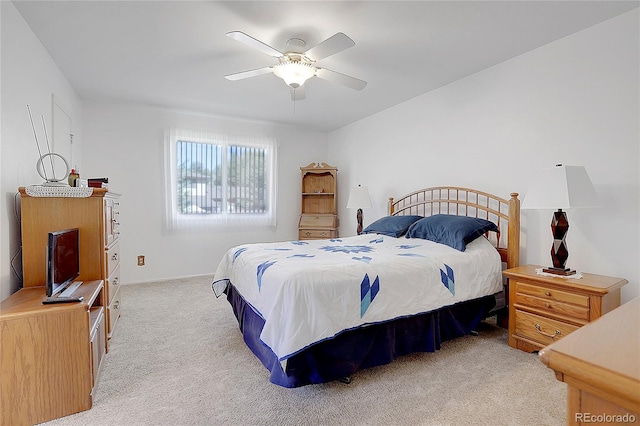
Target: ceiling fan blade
<point>256,44</point>
<point>334,44</point>
<point>247,74</point>
<point>342,79</point>
<point>298,94</point>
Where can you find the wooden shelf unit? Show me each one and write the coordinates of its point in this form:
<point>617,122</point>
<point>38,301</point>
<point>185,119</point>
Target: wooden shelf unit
<point>51,355</point>
<point>319,218</point>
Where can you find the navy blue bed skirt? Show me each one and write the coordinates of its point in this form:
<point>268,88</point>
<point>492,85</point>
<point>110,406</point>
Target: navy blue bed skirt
<point>365,347</point>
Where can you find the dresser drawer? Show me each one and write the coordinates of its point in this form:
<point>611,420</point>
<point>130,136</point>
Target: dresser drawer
<point>112,258</point>
<point>316,234</point>
<point>540,329</point>
<point>113,283</point>
<point>113,310</point>
<point>111,220</point>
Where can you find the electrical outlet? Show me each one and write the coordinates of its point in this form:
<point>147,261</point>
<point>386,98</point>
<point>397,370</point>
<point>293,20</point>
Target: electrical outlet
<point>140,260</point>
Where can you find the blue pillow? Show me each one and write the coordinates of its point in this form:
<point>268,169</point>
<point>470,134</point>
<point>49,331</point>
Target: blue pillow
<point>454,231</point>
<point>392,226</point>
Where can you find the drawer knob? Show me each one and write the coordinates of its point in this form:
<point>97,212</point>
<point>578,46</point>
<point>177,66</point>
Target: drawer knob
<point>548,305</point>
<point>547,293</point>
<point>552,336</point>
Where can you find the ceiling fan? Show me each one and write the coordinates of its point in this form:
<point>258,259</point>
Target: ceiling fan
<point>296,66</point>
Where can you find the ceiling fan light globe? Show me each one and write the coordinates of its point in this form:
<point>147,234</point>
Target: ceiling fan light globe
<point>294,73</point>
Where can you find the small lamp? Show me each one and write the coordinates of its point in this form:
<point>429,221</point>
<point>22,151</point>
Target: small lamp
<point>561,187</point>
<point>359,198</point>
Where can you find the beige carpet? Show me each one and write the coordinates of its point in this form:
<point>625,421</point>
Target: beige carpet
<point>177,358</point>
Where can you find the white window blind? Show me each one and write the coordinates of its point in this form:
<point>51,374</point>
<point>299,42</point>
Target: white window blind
<point>215,179</point>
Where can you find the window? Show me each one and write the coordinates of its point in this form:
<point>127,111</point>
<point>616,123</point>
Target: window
<point>219,180</point>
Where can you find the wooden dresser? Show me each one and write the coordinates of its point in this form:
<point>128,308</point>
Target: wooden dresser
<point>51,355</point>
<point>97,218</point>
<point>544,309</point>
<point>319,218</point>
<point>600,363</point>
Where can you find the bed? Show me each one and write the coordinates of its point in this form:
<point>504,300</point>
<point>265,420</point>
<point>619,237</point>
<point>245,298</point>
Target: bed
<point>315,311</point>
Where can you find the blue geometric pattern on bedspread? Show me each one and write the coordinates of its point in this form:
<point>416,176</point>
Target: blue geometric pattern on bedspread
<point>448,279</point>
<point>407,246</point>
<point>368,292</point>
<point>261,268</point>
<point>365,259</point>
<point>347,249</point>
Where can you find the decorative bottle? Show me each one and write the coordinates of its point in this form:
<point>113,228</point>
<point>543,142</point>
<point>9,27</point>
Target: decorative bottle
<point>73,176</point>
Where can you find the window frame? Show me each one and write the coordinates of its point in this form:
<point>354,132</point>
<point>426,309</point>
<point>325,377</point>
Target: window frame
<point>174,220</point>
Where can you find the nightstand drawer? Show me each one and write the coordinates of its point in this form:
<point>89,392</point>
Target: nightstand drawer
<point>552,295</point>
<point>540,329</point>
<point>580,313</point>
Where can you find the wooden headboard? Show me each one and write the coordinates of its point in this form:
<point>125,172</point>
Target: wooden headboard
<point>469,202</point>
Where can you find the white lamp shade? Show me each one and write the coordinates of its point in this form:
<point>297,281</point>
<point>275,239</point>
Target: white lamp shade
<point>561,187</point>
<point>294,73</point>
<point>359,198</point>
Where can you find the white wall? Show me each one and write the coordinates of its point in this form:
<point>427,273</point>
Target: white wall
<point>28,77</point>
<point>574,101</point>
<point>124,142</point>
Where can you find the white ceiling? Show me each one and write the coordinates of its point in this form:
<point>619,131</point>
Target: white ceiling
<point>175,53</point>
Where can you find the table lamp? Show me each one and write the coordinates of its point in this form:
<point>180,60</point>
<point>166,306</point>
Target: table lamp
<point>359,198</point>
<point>560,187</point>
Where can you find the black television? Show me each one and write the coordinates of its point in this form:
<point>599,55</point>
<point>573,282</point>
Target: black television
<point>63,259</point>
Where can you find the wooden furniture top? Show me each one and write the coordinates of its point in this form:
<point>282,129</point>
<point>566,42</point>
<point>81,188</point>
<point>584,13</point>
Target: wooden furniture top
<point>459,201</point>
<point>604,354</point>
<point>29,300</point>
<point>589,283</point>
<point>318,167</point>
<point>97,192</point>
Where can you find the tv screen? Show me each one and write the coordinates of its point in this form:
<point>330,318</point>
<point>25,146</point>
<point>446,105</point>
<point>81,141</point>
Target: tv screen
<point>63,259</point>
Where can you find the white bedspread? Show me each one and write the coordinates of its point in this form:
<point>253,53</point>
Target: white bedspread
<point>309,291</point>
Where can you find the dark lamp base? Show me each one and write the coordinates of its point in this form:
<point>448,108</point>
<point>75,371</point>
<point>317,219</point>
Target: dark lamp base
<point>559,271</point>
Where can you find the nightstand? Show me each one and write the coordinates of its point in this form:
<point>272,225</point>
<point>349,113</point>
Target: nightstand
<point>543,309</point>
